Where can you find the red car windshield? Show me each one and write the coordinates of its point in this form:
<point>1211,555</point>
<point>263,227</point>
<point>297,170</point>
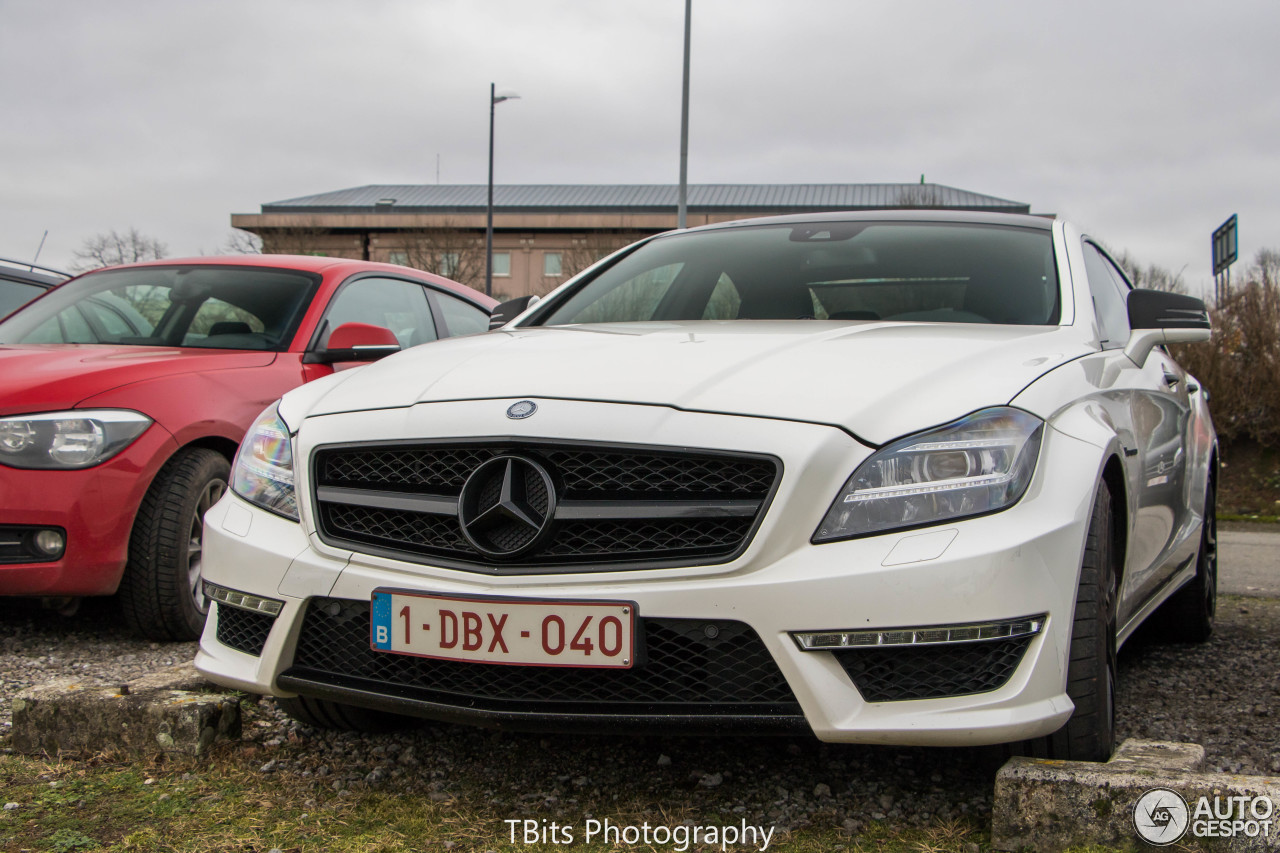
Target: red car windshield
<point>180,306</point>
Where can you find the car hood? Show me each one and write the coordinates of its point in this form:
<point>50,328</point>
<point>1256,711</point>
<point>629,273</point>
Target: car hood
<point>47,377</point>
<point>875,380</point>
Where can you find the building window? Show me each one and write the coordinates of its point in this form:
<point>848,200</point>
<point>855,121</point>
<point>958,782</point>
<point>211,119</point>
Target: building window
<point>551,264</point>
<point>501,264</point>
<point>401,258</point>
<point>448,266</point>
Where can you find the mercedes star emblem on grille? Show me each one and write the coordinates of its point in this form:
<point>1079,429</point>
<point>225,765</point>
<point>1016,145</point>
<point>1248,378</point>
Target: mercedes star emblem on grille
<point>523,409</point>
<point>506,506</point>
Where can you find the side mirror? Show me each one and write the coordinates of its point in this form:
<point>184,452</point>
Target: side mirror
<point>355,342</point>
<point>1157,317</point>
<point>507,311</point>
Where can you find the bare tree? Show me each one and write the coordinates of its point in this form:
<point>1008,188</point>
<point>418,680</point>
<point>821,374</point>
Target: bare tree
<point>585,251</point>
<point>919,195</point>
<point>1151,276</point>
<point>1241,366</point>
<point>1266,268</point>
<point>242,243</point>
<point>450,251</point>
<point>112,248</point>
<point>306,238</point>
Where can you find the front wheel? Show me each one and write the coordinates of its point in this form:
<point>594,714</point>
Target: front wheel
<point>1089,734</point>
<point>161,594</point>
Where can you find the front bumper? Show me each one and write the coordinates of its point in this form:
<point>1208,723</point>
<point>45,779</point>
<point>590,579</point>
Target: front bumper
<point>95,507</point>
<point>1017,563</point>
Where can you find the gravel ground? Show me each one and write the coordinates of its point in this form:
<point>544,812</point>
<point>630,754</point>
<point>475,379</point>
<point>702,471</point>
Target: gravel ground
<point>1224,695</point>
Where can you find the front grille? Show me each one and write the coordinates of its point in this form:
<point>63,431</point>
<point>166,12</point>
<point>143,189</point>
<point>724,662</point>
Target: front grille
<point>243,630</point>
<point>602,539</point>
<point>679,669</point>
<point>932,672</point>
<point>612,508</point>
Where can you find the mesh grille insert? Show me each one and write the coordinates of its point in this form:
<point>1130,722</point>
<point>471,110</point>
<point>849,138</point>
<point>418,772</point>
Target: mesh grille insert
<point>679,669</point>
<point>933,672</point>
<point>243,630</point>
<point>613,507</point>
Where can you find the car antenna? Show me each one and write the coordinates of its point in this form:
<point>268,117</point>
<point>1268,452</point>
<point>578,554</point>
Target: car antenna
<point>39,249</point>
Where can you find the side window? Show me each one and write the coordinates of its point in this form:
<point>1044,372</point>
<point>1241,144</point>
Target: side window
<point>501,264</point>
<point>551,266</point>
<point>68,327</point>
<point>458,317</point>
<point>15,294</point>
<point>1108,290</point>
<point>400,306</point>
<point>724,302</point>
<point>215,315</point>
<point>112,321</point>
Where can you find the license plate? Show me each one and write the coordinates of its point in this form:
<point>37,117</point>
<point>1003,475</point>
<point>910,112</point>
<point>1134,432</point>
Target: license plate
<point>518,632</point>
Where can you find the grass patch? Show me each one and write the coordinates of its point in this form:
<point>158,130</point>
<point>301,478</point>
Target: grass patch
<point>1251,518</point>
<point>226,804</point>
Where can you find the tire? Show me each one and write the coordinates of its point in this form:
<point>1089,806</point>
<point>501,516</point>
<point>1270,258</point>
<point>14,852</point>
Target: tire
<point>161,595</point>
<point>1089,734</point>
<point>323,714</point>
<point>1187,617</point>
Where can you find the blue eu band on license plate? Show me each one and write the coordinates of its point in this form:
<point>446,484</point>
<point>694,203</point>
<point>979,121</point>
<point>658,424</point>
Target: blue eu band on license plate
<point>511,631</point>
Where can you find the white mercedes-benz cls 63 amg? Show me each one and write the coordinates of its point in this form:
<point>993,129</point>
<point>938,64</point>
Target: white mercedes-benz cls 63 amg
<point>888,477</point>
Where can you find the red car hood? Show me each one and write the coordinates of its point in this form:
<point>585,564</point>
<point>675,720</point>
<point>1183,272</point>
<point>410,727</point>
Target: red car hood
<point>49,377</point>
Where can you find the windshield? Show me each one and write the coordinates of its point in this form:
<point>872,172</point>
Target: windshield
<point>899,271</point>
<point>185,306</point>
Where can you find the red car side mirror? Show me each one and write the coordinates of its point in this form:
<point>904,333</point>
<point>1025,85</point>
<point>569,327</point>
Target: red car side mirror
<point>356,342</point>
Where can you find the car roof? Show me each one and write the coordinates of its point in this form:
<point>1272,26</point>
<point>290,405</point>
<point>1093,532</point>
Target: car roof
<point>1023,220</point>
<point>31,273</point>
<point>316,264</point>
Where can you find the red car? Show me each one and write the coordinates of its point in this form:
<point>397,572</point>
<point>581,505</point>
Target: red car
<point>125,392</point>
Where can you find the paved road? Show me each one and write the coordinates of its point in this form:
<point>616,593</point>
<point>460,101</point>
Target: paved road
<point>1249,560</point>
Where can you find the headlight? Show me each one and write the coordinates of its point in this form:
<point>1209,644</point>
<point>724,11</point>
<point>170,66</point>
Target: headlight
<point>263,471</point>
<point>68,440</point>
<point>979,464</point>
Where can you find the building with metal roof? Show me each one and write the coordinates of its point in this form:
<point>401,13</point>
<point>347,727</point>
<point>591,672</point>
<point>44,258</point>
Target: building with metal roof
<point>545,232</point>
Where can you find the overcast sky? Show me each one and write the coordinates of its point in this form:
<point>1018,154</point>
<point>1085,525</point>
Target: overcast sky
<point>1148,122</point>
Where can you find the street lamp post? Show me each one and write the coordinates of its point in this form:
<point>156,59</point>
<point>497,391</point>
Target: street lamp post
<point>682,203</point>
<point>494,100</point>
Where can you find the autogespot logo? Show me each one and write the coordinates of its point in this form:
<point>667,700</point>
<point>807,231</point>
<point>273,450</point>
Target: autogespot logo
<point>1161,816</point>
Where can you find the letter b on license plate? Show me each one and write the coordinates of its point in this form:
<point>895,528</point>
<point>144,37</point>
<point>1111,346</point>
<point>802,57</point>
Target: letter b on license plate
<point>522,632</point>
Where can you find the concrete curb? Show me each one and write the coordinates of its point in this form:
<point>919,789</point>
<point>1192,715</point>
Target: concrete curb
<point>172,710</point>
<point>1049,805</point>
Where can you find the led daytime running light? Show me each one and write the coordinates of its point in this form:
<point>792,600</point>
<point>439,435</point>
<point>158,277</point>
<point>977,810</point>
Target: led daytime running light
<point>242,600</point>
<point>970,444</point>
<point>815,641</point>
<point>939,486</point>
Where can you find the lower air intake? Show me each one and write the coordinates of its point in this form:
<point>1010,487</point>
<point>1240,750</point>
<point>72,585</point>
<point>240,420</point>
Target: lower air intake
<point>680,670</point>
<point>243,630</point>
<point>895,673</point>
